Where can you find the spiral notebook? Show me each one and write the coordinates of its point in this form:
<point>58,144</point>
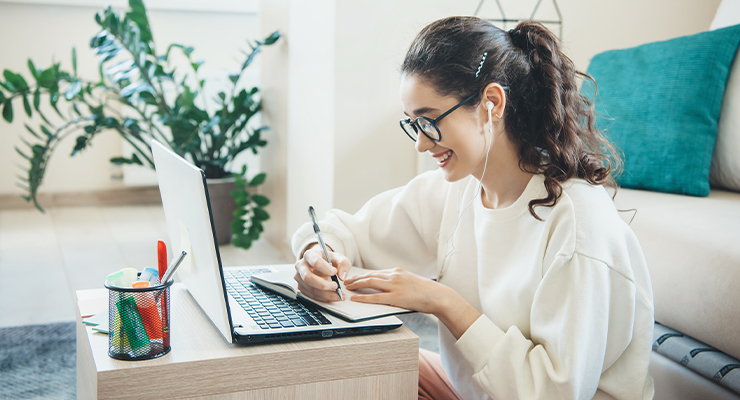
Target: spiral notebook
<point>282,282</point>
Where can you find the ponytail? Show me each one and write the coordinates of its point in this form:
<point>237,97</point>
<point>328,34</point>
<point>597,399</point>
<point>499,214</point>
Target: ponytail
<point>551,114</point>
<point>546,117</point>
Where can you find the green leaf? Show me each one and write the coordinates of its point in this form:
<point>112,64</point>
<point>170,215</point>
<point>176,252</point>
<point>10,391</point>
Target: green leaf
<point>148,98</point>
<point>33,70</point>
<point>239,212</point>
<point>22,154</point>
<point>73,90</point>
<point>47,78</point>
<point>15,81</point>
<point>2,96</point>
<point>33,132</point>
<point>258,179</point>
<point>27,106</point>
<point>8,111</point>
<point>80,144</point>
<point>129,90</point>
<point>272,38</point>
<point>237,225</point>
<point>242,241</point>
<point>74,60</point>
<point>37,99</point>
<point>261,214</point>
<point>261,201</point>
<point>134,160</point>
<point>46,131</point>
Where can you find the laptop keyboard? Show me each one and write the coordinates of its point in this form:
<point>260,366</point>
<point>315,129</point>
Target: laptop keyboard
<point>270,310</point>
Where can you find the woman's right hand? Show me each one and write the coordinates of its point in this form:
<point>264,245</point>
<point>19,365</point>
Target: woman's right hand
<point>313,273</point>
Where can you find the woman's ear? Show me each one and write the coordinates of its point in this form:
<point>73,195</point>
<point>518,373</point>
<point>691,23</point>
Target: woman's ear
<point>495,94</point>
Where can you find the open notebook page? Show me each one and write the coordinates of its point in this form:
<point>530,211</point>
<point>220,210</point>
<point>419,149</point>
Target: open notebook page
<point>283,283</point>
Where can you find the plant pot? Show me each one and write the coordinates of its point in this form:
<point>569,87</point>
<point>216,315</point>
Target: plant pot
<point>222,207</point>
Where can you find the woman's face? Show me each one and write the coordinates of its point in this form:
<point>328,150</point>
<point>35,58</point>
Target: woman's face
<point>462,149</point>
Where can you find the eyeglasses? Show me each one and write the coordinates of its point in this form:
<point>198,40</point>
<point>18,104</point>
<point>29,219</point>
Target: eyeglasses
<point>429,126</point>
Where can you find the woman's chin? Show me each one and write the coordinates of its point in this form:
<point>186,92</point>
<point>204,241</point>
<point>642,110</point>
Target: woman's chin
<point>452,176</point>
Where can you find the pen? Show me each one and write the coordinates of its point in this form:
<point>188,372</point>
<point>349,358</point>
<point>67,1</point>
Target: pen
<point>316,230</point>
<point>170,272</point>
<point>171,269</point>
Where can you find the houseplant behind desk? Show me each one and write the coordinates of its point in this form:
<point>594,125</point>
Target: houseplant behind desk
<point>142,95</point>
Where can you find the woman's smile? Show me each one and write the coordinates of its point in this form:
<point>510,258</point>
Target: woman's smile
<point>442,158</point>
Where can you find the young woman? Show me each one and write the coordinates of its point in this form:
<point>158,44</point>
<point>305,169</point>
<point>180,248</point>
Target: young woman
<point>541,289</point>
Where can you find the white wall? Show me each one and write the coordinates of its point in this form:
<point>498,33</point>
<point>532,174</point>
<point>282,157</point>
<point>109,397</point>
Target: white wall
<point>43,31</point>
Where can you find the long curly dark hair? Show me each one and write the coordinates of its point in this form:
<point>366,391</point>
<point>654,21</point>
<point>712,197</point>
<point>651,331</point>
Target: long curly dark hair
<point>546,117</point>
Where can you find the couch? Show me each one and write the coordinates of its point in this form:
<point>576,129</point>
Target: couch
<point>692,247</point>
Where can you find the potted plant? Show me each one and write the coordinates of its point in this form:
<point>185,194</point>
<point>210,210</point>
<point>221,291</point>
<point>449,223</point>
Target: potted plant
<point>142,95</point>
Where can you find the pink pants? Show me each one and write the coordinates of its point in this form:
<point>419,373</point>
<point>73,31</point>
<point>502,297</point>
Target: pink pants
<point>433,381</point>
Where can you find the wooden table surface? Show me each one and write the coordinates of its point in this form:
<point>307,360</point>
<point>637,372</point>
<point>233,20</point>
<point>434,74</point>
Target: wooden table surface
<point>202,364</point>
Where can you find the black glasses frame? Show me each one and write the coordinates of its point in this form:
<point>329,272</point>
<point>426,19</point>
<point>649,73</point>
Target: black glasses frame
<point>415,124</point>
<point>416,127</point>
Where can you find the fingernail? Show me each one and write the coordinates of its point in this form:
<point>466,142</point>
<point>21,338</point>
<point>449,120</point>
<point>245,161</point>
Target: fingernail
<point>343,275</point>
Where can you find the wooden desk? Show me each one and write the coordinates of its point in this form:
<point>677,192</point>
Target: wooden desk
<point>203,365</point>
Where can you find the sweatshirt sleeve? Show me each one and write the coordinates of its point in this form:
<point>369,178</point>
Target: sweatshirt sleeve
<point>582,320</point>
<point>396,229</point>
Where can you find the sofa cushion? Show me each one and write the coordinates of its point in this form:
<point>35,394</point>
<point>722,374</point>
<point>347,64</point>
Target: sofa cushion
<point>692,248</point>
<point>661,102</point>
<point>725,169</point>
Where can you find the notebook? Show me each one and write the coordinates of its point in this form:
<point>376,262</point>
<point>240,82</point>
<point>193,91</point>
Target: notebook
<point>241,311</point>
<point>282,282</point>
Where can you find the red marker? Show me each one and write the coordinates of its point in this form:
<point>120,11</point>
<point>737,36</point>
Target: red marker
<point>162,268</point>
<point>161,259</point>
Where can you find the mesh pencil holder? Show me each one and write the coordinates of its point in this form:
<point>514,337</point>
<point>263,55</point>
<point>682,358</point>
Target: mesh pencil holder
<point>139,322</point>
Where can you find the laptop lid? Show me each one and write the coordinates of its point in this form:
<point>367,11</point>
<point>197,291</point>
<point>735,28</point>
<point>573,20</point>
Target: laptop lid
<point>190,227</point>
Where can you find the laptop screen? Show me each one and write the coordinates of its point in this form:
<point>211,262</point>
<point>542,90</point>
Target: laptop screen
<point>190,227</point>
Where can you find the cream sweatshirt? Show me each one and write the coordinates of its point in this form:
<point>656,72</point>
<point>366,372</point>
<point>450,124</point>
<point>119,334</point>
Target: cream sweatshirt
<point>566,303</point>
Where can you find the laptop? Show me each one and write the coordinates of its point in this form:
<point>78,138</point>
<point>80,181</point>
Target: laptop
<point>242,312</point>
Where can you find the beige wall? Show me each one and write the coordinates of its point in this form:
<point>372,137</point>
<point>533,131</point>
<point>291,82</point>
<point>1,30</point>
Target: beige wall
<point>331,88</point>
<point>43,31</point>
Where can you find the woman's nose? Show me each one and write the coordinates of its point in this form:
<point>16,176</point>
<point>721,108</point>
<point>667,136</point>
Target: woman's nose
<point>423,143</point>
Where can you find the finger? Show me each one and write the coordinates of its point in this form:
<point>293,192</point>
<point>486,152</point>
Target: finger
<point>308,277</point>
<point>302,269</point>
<point>319,263</point>
<point>371,274</point>
<point>343,266</point>
<point>378,298</point>
<point>319,282</point>
<point>370,283</point>
<point>323,295</point>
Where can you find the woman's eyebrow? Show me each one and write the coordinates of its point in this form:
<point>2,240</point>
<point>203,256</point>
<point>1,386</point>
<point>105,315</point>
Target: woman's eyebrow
<point>422,110</point>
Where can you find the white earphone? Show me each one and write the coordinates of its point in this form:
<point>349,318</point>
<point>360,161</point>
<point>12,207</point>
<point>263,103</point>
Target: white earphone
<point>440,273</point>
<point>489,107</point>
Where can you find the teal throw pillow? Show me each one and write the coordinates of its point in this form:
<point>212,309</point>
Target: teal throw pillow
<point>659,103</point>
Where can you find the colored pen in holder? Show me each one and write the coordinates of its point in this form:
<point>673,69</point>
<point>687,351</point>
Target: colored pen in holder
<point>139,320</point>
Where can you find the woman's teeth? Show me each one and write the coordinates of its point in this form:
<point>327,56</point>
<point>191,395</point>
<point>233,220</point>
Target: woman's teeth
<point>444,156</point>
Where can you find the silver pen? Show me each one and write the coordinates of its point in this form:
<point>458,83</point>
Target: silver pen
<point>316,230</point>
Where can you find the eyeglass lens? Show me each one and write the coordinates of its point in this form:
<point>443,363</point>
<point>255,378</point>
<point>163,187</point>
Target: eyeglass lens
<point>411,128</point>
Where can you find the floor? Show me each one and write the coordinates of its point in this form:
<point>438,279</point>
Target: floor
<point>45,258</point>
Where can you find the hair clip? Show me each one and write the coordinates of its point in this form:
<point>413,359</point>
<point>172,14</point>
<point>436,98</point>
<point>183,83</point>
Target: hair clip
<point>514,35</point>
<point>481,64</point>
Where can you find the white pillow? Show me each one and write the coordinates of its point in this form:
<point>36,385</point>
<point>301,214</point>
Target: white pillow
<point>725,169</point>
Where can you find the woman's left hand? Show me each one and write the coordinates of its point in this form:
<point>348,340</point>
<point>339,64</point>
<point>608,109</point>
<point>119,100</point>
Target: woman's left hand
<point>404,289</point>
<point>399,288</point>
